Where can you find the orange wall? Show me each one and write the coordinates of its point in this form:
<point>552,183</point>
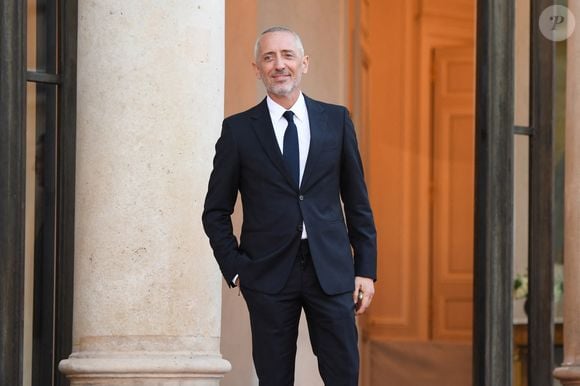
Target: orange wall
<point>402,36</point>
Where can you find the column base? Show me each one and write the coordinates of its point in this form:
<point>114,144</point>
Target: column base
<point>144,369</point>
<point>568,375</point>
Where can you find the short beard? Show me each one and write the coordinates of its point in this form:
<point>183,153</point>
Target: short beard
<point>284,89</point>
<point>281,90</point>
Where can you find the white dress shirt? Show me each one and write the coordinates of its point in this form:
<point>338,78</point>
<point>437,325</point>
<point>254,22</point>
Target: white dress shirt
<point>302,126</point>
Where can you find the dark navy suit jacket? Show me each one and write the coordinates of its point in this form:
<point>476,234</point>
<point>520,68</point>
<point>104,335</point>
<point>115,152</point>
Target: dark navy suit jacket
<point>248,160</point>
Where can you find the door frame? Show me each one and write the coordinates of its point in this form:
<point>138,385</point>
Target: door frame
<point>492,344</point>
<point>14,78</point>
<point>12,190</point>
<point>493,239</point>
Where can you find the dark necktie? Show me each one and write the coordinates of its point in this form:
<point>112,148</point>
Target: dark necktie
<point>290,148</point>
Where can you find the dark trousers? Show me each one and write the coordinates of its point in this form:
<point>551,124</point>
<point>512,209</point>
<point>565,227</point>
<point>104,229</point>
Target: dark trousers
<point>331,324</point>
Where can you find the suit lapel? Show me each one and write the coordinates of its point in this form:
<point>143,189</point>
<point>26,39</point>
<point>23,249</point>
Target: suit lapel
<point>317,119</point>
<point>262,124</point>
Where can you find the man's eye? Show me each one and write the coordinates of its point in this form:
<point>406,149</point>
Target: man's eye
<point>267,58</point>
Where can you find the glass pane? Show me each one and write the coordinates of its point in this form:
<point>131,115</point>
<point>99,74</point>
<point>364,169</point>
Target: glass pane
<point>41,127</point>
<point>521,226</point>
<point>521,190</point>
<point>522,64</point>
<point>559,104</point>
<point>42,36</point>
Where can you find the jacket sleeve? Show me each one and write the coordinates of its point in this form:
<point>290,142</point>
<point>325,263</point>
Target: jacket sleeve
<point>357,209</point>
<point>219,205</point>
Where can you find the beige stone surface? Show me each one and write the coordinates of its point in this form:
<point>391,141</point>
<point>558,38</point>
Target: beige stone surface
<point>569,372</point>
<point>572,205</point>
<point>150,104</point>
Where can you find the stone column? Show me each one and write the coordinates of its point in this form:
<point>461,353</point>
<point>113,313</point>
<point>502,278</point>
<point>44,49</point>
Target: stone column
<point>569,372</point>
<point>150,102</point>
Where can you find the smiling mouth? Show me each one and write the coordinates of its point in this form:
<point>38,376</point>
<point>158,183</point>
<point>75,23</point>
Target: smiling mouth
<point>281,77</point>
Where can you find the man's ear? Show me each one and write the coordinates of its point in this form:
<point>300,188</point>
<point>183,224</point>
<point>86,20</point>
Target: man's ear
<point>256,70</point>
<point>305,60</point>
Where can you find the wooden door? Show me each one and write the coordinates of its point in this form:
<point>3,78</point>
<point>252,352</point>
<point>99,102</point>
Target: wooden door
<point>452,193</point>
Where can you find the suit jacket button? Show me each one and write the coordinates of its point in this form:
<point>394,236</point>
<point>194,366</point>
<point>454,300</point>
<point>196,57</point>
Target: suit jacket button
<point>301,197</point>
<point>299,228</point>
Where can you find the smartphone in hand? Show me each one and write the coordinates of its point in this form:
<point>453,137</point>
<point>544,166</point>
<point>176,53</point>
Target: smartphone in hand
<point>359,300</point>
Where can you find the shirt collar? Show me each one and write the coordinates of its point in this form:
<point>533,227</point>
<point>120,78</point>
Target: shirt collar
<point>299,109</point>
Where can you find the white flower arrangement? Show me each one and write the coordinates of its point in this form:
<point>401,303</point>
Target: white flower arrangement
<point>521,284</point>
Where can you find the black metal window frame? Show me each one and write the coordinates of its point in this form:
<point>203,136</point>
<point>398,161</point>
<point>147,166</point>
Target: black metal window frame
<point>12,189</point>
<point>493,242</point>
<point>493,314</point>
<point>541,206</point>
<point>13,80</point>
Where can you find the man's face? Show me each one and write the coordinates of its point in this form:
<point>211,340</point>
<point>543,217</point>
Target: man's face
<point>280,64</point>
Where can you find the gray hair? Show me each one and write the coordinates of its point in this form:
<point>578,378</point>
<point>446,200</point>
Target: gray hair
<point>278,29</point>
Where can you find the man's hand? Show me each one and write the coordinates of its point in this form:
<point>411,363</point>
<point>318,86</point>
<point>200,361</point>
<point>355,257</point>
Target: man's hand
<point>367,287</point>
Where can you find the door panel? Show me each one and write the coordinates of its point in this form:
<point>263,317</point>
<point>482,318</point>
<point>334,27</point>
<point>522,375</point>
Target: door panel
<point>453,193</point>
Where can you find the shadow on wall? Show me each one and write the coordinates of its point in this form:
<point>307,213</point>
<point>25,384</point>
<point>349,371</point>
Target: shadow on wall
<point>421,363</point>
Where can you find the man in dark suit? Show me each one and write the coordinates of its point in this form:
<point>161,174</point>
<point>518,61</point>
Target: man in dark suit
<point>308,238</point>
